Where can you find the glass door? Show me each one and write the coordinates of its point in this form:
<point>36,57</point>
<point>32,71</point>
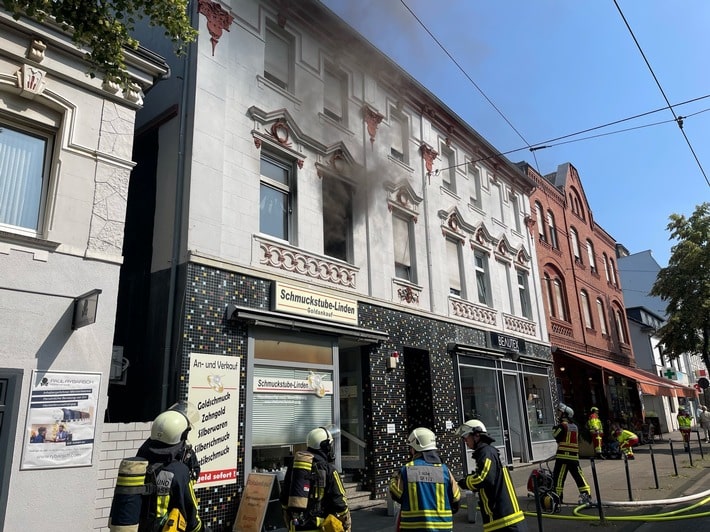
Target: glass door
<point>352,427</point>
<point>517,448</point>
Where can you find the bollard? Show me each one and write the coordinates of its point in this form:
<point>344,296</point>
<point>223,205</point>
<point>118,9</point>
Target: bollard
<point>538,507</point>
<point>653,464</point>
<point>596,492</point>
<point>628,477</point>
<point>700,446</point>
<point>690,454</point>
<point>675,466</point>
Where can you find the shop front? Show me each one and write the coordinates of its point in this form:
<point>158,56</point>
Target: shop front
<point>509,391</point>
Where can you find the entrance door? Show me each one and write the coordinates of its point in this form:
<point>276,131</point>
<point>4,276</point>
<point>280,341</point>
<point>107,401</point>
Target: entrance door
<point>516,440</point>
<point>352,426</point>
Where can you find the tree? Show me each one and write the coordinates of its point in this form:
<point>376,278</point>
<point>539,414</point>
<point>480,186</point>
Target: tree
<point>685,285</point>
<point>105,26</point>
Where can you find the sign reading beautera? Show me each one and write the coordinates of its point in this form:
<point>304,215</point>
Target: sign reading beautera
<point>306,302</point>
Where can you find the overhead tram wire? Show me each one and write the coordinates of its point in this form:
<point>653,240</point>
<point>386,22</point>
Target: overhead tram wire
<point>455,62</point>
<point>678,119</point>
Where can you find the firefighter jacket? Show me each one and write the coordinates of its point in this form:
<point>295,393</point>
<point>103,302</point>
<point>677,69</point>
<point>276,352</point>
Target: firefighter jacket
<point>498,501</point>
<point>594,424</point>
<point>684,421</point>
<point>427,493</point>
<point>626,437</point>
<point>177,475</point>
<point>567,436</point>
<point>312,478</point>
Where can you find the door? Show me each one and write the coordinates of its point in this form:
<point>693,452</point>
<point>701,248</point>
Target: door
<point>516,440</point>
<point>352,426</point>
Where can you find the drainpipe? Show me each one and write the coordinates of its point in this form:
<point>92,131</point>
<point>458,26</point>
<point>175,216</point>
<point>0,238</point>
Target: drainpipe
<point>177,218</point>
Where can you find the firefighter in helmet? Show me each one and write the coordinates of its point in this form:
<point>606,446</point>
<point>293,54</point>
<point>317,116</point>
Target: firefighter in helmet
<point>424,486</point>
<point>566,434</point>
<point>313,498</point>
<point>684,424</point>
<point>596,429</point>
<point>499,503</point>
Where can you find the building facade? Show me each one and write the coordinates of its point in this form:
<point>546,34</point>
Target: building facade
<point>65,161</point>
<point>589,333</point>
<point>337,245</point>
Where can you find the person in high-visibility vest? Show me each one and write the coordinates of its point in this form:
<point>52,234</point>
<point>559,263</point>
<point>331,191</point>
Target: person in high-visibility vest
<point>566,434</point>
<point>684,423</point>
<point>627,441</point>
<point>594,424</point>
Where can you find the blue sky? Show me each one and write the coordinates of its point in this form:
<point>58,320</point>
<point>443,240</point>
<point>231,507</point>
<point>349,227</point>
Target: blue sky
<point>557,67</point>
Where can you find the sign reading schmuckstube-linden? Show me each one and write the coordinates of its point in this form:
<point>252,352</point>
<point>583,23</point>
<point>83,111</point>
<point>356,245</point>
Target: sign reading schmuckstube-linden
<point>298,300</point>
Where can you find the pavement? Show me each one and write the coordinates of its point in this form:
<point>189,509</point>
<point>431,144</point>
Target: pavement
<point>659,474</point>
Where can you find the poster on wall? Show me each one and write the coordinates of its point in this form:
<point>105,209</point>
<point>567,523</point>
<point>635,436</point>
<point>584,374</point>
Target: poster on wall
<point>213,387</point>
<point>61,420</point>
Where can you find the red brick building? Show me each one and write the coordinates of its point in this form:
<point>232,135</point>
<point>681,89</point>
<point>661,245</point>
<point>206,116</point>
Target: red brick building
<point>593,359</point>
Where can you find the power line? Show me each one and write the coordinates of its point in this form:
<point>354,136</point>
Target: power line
<point>678,119</point>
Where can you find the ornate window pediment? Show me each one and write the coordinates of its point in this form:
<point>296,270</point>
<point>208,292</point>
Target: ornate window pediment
<point>401,197</point>
<point>503,250</point>
<point>279,130</point>
<point>453,225</point>
<point>522,258</point>
<point>482,239</point>
<point>337,162</point>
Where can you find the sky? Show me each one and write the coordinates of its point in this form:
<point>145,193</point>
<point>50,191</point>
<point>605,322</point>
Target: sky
<point>522,73</point>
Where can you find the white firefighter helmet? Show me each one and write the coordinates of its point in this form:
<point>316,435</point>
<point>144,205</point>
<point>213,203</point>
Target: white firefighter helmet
<point>170,427</point>
<point>471,426</point>
<point>422,439</point>
<point>318,436</point>
<point>566,410</point>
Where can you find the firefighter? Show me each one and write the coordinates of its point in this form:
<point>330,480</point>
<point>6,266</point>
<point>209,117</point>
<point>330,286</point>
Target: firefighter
<point>313,497</point>
<point>168,447</point>
<point>684,423</point>
<point>627,441</point>
<point>566,434</point>
<point>594,424</point>
<point>498,501</point>
<point>424,487</point>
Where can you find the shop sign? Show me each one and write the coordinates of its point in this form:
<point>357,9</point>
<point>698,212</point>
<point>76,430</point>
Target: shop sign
<point>213,388</point>
<point>306,302</point>
<point>511,343</point>
<point>314,384</point>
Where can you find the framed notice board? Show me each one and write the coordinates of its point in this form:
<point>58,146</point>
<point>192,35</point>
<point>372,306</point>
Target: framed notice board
<point>255,501</point>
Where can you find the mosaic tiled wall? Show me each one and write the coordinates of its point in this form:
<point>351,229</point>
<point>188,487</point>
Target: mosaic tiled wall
<point>210,290</point>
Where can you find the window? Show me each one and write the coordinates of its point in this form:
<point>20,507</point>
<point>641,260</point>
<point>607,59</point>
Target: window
<point>552,229</point>
<point>586,311</point>
<point>500,191</point>
<point>403,243</point>
<point>448,173</point>
<point>475,174</point>
<point>278,57</point>
<point>591,257</point>
<point>602,316</point>
<point>555,296</point>
<point>515,202</point>
<point>540,222</point>
<point>334,95</point>
<point>605,260</point>
<point>614,278</point>
<point>453,256</point>
<point>24,171</point>
<point>620,326</point>
<point>482,278</point>
<point>575,244</point>
<point>398,138</point>
<point>275,201</point>
<point>524,292</point>
<point>337,219</point>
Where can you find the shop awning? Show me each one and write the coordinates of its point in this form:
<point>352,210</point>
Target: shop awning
<point>286,321</point>
<point>649,383</point>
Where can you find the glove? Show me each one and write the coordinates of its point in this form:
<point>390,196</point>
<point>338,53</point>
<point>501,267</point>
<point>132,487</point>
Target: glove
<point>462,483</point>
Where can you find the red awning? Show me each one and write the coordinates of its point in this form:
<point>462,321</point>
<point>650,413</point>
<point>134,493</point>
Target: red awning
<point>649,383</point>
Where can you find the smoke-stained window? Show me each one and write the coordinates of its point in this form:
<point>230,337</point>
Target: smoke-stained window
<point>337,218</point>
<point>398,137</point>
<point>334,95</point>
<point>278,57</point>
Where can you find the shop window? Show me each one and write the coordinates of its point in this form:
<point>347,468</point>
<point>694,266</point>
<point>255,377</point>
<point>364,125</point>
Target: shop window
<point>479,393</point>
<point>276,199</point>
<point>282,350</point>
<point>24,174</point>
<point>540,413</point>
<point>337,219</point>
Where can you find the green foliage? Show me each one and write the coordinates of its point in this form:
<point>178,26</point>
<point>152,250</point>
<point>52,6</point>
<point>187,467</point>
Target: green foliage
<point>105,27</point>
<point>685,286</point>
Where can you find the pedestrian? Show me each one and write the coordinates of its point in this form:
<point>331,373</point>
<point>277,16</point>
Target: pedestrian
<point>627,441</point>
<point>313,497</point>
<point>168,450</point>
<point>684,423</point>
<point>704,419</point>
<point>596,429</point>
<point>566,434</point>
<point>498,501</point>
<point>424,487</point>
